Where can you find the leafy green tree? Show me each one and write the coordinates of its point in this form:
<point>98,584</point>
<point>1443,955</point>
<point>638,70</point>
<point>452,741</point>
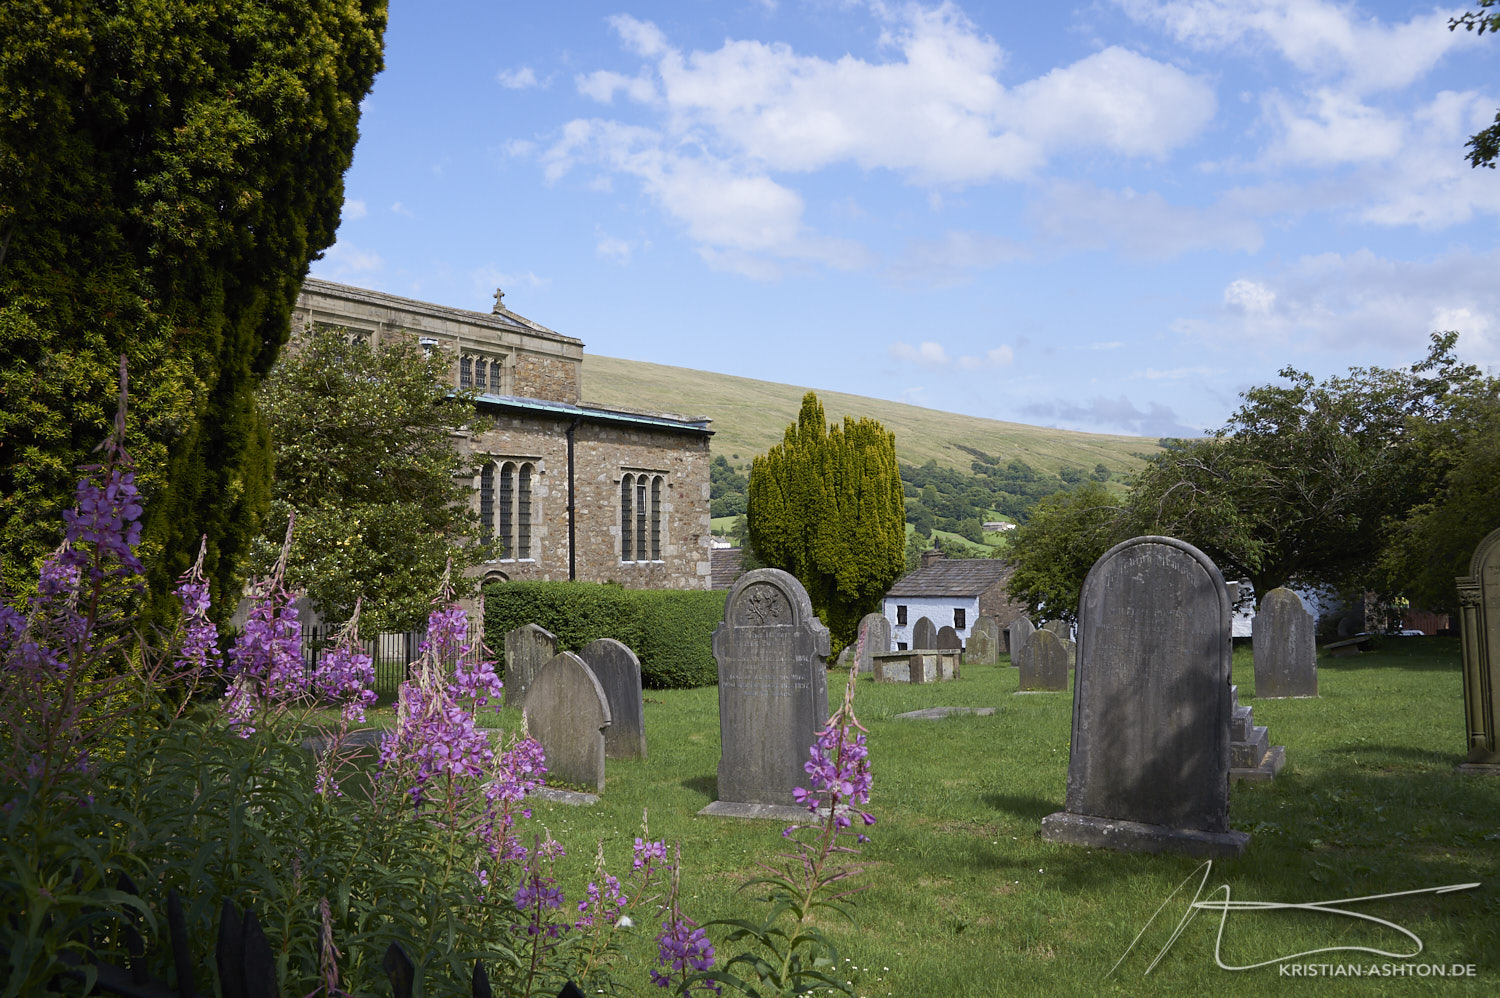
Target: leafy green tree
<point>1484,146</point>
<point>1054,550</point>
<point>825,504</point>
<point>167,171</point>
<point>365,461</point>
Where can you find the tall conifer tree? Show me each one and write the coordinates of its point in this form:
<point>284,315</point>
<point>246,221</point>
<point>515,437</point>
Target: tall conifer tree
<point>826,505</point>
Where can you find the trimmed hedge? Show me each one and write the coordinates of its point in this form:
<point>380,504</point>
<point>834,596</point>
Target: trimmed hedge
<point>670,630</point>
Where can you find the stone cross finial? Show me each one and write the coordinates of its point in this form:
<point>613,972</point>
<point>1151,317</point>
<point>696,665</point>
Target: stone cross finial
<point>499,299</point>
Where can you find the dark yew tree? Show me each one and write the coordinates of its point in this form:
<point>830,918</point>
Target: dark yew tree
<point>167,171</point>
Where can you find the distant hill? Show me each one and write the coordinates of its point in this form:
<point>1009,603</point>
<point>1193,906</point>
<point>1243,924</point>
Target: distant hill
<point>750,416</point>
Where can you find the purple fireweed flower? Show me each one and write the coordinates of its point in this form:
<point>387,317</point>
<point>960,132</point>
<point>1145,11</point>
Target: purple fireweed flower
<point>199,644</point>
<point>108,517</point>
<point>682,945</point>
<point>269,652</point>
<point>344,675</point>
<point>647,852</point>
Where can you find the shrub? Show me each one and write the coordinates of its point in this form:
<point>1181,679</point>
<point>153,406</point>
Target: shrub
<point>670,630</point>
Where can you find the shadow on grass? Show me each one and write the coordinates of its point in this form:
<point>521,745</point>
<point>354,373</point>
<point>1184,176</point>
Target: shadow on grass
<point>708,786</point>
<point>1431,654</point>
<point>1025,808</point>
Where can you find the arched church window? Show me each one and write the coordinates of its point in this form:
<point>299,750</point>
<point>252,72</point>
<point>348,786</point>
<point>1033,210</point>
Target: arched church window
<point>523,513</point>
<point>506,500</point>
<point>627,486</point>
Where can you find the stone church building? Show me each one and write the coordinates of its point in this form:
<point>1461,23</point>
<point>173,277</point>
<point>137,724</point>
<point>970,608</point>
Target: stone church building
<point>569,489</point>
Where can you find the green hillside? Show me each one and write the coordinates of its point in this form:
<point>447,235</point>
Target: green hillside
<point>749,416</point>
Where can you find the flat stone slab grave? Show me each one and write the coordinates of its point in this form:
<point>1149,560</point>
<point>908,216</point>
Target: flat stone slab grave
<point>1148,768</point>
<point>557,795</point>
<point>938,713</point>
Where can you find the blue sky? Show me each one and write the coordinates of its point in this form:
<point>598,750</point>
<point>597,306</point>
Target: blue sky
<point>1113,217</point>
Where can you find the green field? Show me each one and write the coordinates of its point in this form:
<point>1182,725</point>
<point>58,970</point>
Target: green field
<point>750,416</point>
<point>965,899</point>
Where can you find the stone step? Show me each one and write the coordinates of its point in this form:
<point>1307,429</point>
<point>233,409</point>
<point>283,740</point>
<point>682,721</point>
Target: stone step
<point>1248,754</point>
<point>1240,724</point>
<point>1267,770</point>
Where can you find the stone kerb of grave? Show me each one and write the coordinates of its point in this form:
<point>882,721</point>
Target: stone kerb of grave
<point>1285,647</point>
<point>876,631</point>
<point>567,712</point>
<point>983,647</point>
<point>1044,667</point>
<point>923,634</point>
<point>1016,635</point>
<point>773,694</point>
<point>948,639</point>
<point>1149,764</point>
<point>527,649</point>
<point>619,672</point>
<point>1479,625</point>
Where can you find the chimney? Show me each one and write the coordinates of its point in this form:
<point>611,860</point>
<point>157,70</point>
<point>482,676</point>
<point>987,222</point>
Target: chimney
<point>928,557</point>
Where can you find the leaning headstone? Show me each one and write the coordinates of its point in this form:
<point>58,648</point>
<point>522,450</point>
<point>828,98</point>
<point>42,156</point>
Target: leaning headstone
<point>567,712</point>
<point>1016,636</point>
<point>1061,628</point>
<point>773,694</point>
<point>1285,647</point>
<point>1149,763</point>
<point>619,672</point>
<point>983,647</point>
<point>527,649</point>
<point>923,634</point>
<point>948,639</point>
<point>1044,667</point>
<point>875,629</point>
<point>1479,623</point>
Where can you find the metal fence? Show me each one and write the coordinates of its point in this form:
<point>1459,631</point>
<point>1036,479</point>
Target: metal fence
<point>392,654</point>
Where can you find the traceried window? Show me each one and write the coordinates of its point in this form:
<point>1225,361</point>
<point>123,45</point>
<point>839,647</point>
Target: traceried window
<point>466,372</point>
<point>512,511</point>
<point>481,374</point>
<point>523,514</point>
<point>640,517</point>
<point>487,501</point>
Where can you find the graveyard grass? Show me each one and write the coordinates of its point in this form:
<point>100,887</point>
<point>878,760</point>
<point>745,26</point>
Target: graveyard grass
<point>964,898</point>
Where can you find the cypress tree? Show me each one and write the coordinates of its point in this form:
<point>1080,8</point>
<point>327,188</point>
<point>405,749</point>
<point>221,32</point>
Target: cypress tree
<point>826,505</point>
<point>167,171</point>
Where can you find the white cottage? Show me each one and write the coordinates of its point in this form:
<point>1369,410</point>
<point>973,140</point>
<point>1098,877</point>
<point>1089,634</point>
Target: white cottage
<point>950,592</point>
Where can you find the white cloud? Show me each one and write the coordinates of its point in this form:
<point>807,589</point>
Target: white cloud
<point>1082,216</point>
<point>617,250</point>
<point>927,354</point>
<point>1117,415</point>
<point>1320,39</point>
<point>344,261</point>
<point>953,258</point>
<point>401,209</point>
<point>1331,128</point>
<point>519,78</point>
<point>603,85</point>
<point>1111,345</point>
<point>1174,373</point>
<point>485,279</point>
<point>354,209</point>
<point>1249,297</point>
<point>1001,356</point>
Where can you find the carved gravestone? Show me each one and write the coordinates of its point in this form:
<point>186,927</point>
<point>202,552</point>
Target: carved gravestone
<point>1286,651</point>
<point>876,631</point>
<point>948,639</point>
<point>1149,764</point>
<point>923,634</point>
<point>567,713</point>
<point>1061,628</point>
<point>773,692</point>
<point>1479,623</point>
<point>983,647</point>
<point>1045,665</point>
<point>1016,636</point>
<point>619,673</point>
<point>527,649</point>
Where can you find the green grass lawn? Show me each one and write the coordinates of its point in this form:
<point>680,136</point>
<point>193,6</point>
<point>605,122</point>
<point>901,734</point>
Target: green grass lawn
<point>964,898</point>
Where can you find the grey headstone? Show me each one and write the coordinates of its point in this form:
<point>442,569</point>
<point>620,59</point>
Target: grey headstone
<point>619,672</point>
<point>1149,762</point>
<point>527,649</point>
<point>923,634</point>
<point>1016,636</point>
<point>1061,628</point>
<point>1045,665</point>
<point>983,647</point>
<point>1286,650</point>
<point>1479,623</point>
<point>567,712</point>
<point>773,691</point>
<point>948,640</point>
<point>876,631</point>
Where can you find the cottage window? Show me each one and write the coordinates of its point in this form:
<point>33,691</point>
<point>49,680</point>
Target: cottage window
<point>900,615</point>
<point>958,618</point>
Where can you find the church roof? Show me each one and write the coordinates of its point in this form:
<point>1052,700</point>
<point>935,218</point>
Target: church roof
<point>594,413</point>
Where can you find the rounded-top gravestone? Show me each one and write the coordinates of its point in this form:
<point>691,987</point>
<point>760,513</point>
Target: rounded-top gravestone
<point>983,647</point>
<point>875,630</point>
<point>1479,624</point>
<point>1285,647</point>
<point>1148,768</point>
<point>527,649</point>
<point>619,673</point>
<point>948,639</point>
<point>923,634</point>
<point>773,690</point>
<point>1044,667</point>
<point>1015,637</point>
<point>567,712</point>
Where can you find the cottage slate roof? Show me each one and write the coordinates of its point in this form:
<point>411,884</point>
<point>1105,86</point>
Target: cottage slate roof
<point>953,577</point>
<point>725,565</point>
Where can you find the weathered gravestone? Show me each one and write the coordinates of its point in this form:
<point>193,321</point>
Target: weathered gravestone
<point>948,639</point>
<point>773,694</point>
<point>1479,623</point>
<point>1061,628</point>
<point>527,649</point>
<point>619,672</point>
<point>1044,667</point>
<point>1285,647</point>
<point>875,629</point>
<point>923,634</point>
<point>567,713</point>
<point>1016,636</point>
<point>1149,764</point>
<point>983,647</point>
